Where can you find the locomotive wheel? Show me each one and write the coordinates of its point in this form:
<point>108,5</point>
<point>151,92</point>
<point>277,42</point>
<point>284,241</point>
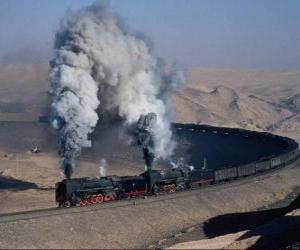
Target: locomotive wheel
<point>67,204</point>
<point>172,188</point>
<point>112,196</point>
<point>94,199</point>
<point>82,203</point>
<point>89,201</point>
<point>99,198</point>
<point>109,197</point>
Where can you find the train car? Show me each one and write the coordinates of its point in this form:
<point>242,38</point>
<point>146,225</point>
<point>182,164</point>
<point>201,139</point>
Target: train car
<point>201,177</point>
<point>84,191</point>
<point>245,170</point>
<point>295,154</point>
<point>262,165</point>
<point>275,162</point>
<point>225,174</point>
<point>285,158</point>
<point>289,156</point>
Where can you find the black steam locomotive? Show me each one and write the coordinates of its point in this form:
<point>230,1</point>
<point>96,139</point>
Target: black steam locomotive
<point>86,191</point>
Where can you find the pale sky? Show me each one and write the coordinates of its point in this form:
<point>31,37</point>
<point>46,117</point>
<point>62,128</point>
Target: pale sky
<point>255,34</point>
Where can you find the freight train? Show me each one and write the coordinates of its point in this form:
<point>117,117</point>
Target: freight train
<point>87,191</point>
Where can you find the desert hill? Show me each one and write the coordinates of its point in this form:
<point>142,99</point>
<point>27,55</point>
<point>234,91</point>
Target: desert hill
<point>257,100</point>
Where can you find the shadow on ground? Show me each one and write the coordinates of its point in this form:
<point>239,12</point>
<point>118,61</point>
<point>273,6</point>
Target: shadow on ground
<point>281,232</point>
<point>9,183</point>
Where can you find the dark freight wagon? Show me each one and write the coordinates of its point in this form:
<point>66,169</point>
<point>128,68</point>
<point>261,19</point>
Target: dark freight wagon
<point>225,174</point>
<point>246,170</point>
<point>275,162</point>
<point>263,166</point>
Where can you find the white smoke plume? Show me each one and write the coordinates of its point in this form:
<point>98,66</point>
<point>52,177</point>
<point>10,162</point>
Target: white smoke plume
<point>102,168</point>
<point>174,164</point>
<point>100,61</point>
<point>177,163</point>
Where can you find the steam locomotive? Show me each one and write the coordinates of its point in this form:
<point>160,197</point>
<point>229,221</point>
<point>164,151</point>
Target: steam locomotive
<point>86,191</point>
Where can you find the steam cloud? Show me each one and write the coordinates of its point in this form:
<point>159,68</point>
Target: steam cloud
<point>99,59</point>
<point>102,168</point>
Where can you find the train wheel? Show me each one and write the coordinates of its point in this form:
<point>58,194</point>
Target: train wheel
<point>113,196</point>
<point>94,199</point>
<point>99,198</point>
<point>67,204</point>
<point>108,197</point>
<point>172,188</point>
<point>89,200</point>
<point>169,189</point>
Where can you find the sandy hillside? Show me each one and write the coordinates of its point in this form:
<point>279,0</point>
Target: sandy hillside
<point>257,100</point>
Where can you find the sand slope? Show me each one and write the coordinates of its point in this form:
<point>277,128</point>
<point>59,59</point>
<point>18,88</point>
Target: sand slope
<point>258,100</point>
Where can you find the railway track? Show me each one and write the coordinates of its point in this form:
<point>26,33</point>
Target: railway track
<point>143,201</point>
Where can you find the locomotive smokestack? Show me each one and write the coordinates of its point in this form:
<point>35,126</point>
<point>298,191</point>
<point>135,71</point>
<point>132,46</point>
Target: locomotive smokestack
<point>68,170</point>
<point>149,158</point>
<point>145,137</point>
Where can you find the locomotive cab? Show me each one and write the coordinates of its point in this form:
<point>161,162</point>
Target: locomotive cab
<point>60,193</point>
<point>152,177</point>
<point>131,186</point>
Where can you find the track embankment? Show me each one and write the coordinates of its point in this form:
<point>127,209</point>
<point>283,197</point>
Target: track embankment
<point>141,222</point>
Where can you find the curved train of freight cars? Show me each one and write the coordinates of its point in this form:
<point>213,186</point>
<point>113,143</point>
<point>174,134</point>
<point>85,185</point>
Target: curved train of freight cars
<point>87,191</point>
